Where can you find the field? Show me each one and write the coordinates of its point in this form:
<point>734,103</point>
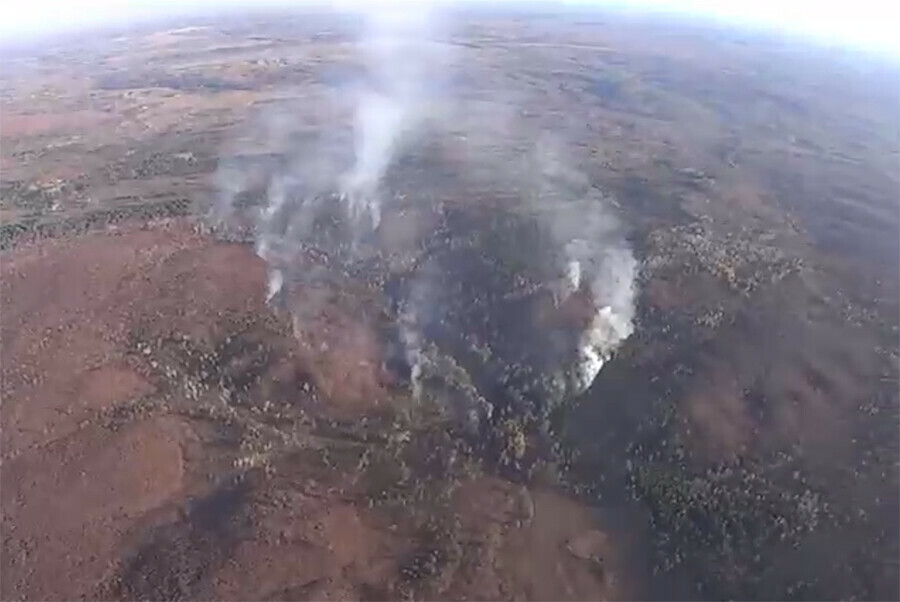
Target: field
<point>167,433</point>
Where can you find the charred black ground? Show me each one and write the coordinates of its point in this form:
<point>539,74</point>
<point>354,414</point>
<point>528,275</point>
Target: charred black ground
<point>741,443</point>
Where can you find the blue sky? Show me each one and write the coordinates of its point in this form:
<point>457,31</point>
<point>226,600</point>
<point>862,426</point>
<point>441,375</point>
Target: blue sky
<point>867,24</point>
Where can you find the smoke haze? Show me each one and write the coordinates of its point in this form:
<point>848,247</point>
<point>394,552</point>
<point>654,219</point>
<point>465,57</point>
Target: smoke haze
<point>506,271</point>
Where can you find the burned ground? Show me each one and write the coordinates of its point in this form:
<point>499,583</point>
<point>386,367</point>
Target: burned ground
<point>166,434</point>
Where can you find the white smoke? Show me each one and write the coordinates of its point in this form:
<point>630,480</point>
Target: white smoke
<point>595,255</point>
<point>345,180</point>
<point>398,51</point>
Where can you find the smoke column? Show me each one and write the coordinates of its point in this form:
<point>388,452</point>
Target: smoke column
<point>397,50</point>
<point>328,208</point>
<point>596,257</point>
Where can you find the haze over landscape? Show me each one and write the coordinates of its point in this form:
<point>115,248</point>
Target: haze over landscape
<point>449,301</point>
<point>866,24</point>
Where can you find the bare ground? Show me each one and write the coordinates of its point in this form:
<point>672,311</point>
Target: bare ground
<point>167,435</point>
<point>119,480</point>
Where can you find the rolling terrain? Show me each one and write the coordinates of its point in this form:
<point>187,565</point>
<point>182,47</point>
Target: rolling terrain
<point>169,433</point>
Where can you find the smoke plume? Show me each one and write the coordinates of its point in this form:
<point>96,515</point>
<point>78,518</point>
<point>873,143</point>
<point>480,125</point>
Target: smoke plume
<point>504,268</point>
<point>396,50</point>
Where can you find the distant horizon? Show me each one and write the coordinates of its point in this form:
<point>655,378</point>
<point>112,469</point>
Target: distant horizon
<point>867,30</point>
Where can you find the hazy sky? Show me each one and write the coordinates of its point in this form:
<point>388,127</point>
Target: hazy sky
<point>871,24</point>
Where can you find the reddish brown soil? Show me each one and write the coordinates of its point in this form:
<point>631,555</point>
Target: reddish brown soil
<point>72,488</point>
<point>69,307</point>
<point>113,487</point>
